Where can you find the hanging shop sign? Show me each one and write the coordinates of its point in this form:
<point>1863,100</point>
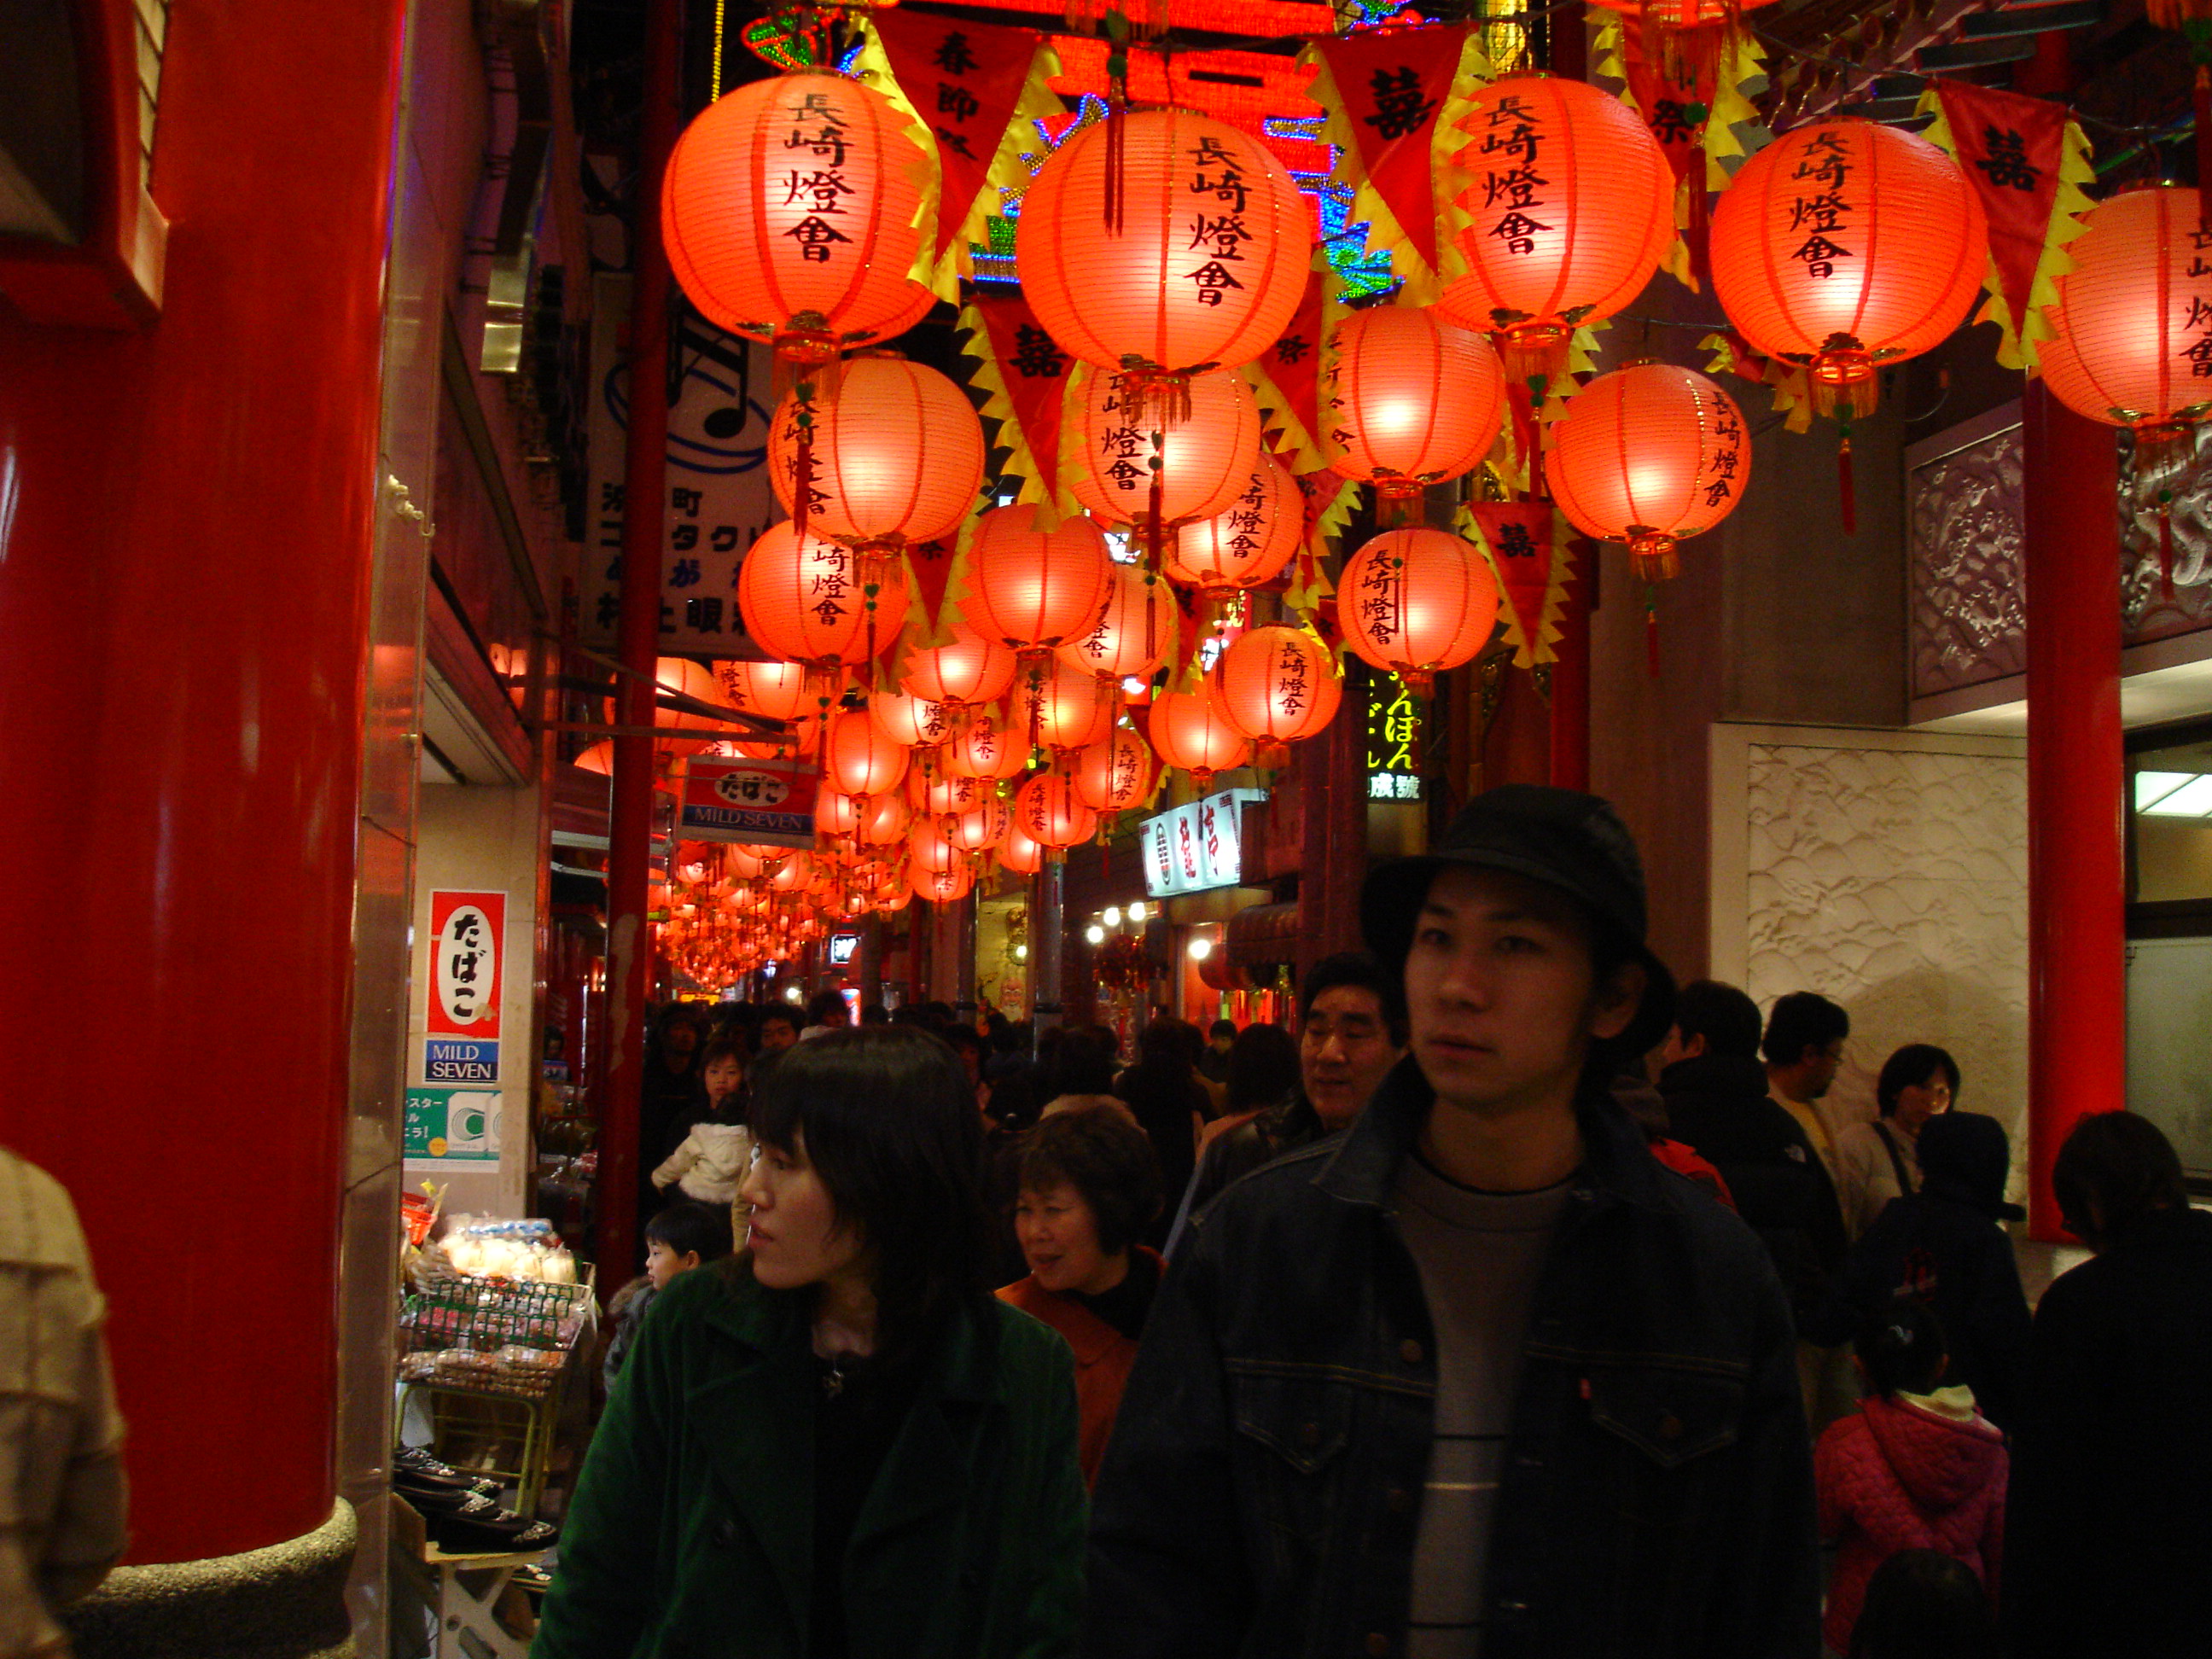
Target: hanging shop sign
<point>1201,844</point>
<point>461,1024</point>
<point>1394,725</point>
<point>842,948</point>
<point>450,1126</point>
<point>751,800</point>
<point>717,495</point>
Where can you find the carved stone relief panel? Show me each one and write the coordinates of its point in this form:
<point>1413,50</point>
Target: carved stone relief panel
<point>1963,520</point>
<point>2145,612</point>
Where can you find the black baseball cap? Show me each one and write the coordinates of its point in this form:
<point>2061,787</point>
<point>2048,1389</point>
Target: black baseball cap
<point>1573,842</point>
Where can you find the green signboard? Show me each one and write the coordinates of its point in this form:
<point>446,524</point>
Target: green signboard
<point>452,1126</point>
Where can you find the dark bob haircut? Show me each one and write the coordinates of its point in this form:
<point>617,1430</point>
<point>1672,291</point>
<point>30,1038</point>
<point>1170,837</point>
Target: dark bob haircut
<point>691,1226</point>
<point>1108,1159</point>
<point>1263,1068</point>
<point>1724,1016</point>
<point>1902,1348</point>
<point>1914,1064</point>
<point>2124,1166</point>
<point>888,1120</point>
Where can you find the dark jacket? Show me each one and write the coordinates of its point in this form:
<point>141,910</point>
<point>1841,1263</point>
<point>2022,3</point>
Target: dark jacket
<point>1719,1104</point>
<point>1261,1492</point>
<point>1282,1128</point>
<point>2108,1523</point>
<point>692,1527</point>
<point>1937,1249</point>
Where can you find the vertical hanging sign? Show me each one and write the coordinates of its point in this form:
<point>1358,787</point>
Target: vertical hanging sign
<point>461,1040</point>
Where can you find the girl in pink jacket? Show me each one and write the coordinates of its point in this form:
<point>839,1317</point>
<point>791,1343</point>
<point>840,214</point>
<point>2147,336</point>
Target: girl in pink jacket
<point>1918,1469</point>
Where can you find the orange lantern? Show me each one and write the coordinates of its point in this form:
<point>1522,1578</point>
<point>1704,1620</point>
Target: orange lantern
<point>1845,245</point>
<point>790,212</point>
<point>986,747</point>
<point>598,757</point>
<point>1245,544</point>
<point>1017,851</point>
<point>800,738</point>
<point>1416,602</point>
<point>1114,774</point>
<point>1277,686</point>
<point>942,886</point>
<point>982,826</point>
<point>931,845</point>
<point>1647,455</point>
<point>1191,733</point>
<point>1066,706</point>
<point>894,458</point>
<point>836,813</point>
<point>1052,813</point>
<point>963,671</point>
<point>796,872</point>
<point>808,600</point>
<point>946,794</point>
<point>885,822</point>
<point>858,758</point>
<point>1135,633</point>
<point>1030,589</point>
<point>913,721</point>
<point>2134,324</point>
<point>1409,399</point>
<point>773,690</point>
<point>1137,470</point>
<point>1163,242</point>
<point>1573,207</point>
<point>686,678</point>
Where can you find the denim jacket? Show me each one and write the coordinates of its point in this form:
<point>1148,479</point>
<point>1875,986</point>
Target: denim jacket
<point>1262,1490</point>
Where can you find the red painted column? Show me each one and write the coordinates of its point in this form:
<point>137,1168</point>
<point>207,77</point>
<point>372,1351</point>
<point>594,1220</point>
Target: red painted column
<point>185,536</point>
<point>629,812</point>
<point>2076,908</point>
<point>1570,676</point>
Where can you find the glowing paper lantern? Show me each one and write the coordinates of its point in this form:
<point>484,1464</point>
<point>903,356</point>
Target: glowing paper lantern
<point>1204,264</point>
<point>1245,544</point>
<point>894,458</point>
<point>1573,207</point>
<point>986,747</point>
<point>686,678</point>
<point>1052,813</point>
<point>795,874</point>
<point>1277,686</point>
<point>1190,732</point>
<point>915,721</point>
<point>1031,589</point>
<point>1647,455</point>
<point>931,847</point>
<point>942,886</point>
<point>808,600</point>
<point>1019,852</point>
<point>801,738</point>
<point>885,822</point>
<point>963,671</point>
<point>836,813</point>
<point>1416,602</point>
<point>598,757</point>
<point>773,690</point>
<point>789,212</point>
<point>1135,633</point>
<point>1066,706</point>
<point>947,794</point>
<point>1845,245</point>
<point>1114,775</point>
<point>858,758</point>
<point>1409,399</point>
<point>1204,459</point>
<point>982,826</point>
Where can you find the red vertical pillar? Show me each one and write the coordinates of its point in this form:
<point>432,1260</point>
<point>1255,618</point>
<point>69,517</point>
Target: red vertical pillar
<point>2076,905</point>
<point>630,818</point>
<point>187,532</point>
<point>1570,676</point>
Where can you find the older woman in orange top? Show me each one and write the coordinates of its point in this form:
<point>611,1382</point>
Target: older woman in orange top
<point>1089,1184</point>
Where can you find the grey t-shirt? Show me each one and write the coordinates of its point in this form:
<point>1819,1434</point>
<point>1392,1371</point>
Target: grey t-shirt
<point>1479,1254</point>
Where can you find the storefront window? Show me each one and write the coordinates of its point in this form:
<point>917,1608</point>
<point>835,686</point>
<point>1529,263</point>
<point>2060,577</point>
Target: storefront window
<point>2170,940</point>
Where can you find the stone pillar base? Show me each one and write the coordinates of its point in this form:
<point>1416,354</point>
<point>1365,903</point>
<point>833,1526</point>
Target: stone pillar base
<point>287,1601</point>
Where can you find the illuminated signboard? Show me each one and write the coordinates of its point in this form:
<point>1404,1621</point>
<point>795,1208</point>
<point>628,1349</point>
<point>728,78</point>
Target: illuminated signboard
<point>842,947</point>
<point>1190,848</point>
<point>1393,729</point>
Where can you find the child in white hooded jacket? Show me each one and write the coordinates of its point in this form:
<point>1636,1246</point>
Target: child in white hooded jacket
<point>713,1156</point>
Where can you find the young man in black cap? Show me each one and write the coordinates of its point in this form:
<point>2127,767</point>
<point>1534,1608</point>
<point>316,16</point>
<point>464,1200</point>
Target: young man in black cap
<point>1479,1377</point>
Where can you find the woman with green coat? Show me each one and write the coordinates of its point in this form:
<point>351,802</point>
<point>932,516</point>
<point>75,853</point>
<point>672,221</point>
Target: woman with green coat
<point>836,1444</point>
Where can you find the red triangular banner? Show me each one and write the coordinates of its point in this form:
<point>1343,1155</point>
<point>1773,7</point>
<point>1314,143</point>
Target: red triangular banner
<point>2011,146</point>
<point>964,80</point>
<point>1519,538</point>
<point>1036,371</point>
<point>1663,102</point>
<point>1293,362</point>
<point>931,564</point>
<point>1394,85</point>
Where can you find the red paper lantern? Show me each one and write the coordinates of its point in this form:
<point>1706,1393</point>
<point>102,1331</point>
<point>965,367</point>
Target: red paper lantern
<point>836,813</point>
<point>931,847</point>
<point>1190,732</point>
<point>801,738</point>
<point>895,457</point>
<point>1203,264</point>
<point>982,826</point>
<point>773,690</point>
<point>686,678</point>
<point>1409,399</point>
<point>1066,706</point>
<point>795,874</point>
<point>1573,206</point>
<point>1245,544</point>
<point>1416,602</point>
<point>942,886</point>
<point>1845,245</point>
<point>987,747</point>
<point>916,722</point>
<point>789,210</point>
<point>807,600</point>
<point>1135,633</point>
<point>964,671</point>
<point>1277,686</point>
<point>1052,813</point>
<point>1030,589</point>
<point>885,821</point>
<point>948,794</point>
<point>1203,459</point>
<point>1114,775</point>
<point>1647,455</point>
<point>858,758</point>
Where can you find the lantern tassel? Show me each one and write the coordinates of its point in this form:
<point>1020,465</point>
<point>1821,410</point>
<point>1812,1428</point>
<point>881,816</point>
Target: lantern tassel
<point>1699,235</point>
<point>2201,97</point>
<point>1651,631</point>
<point>1845,483</point>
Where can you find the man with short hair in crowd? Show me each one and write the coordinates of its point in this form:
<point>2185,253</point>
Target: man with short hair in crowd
<point>1352,1030</point>
<point>1478,1377</point>
<point>1213,1064</point>
<point>826,1012</point>
<point>1804,1049</point>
